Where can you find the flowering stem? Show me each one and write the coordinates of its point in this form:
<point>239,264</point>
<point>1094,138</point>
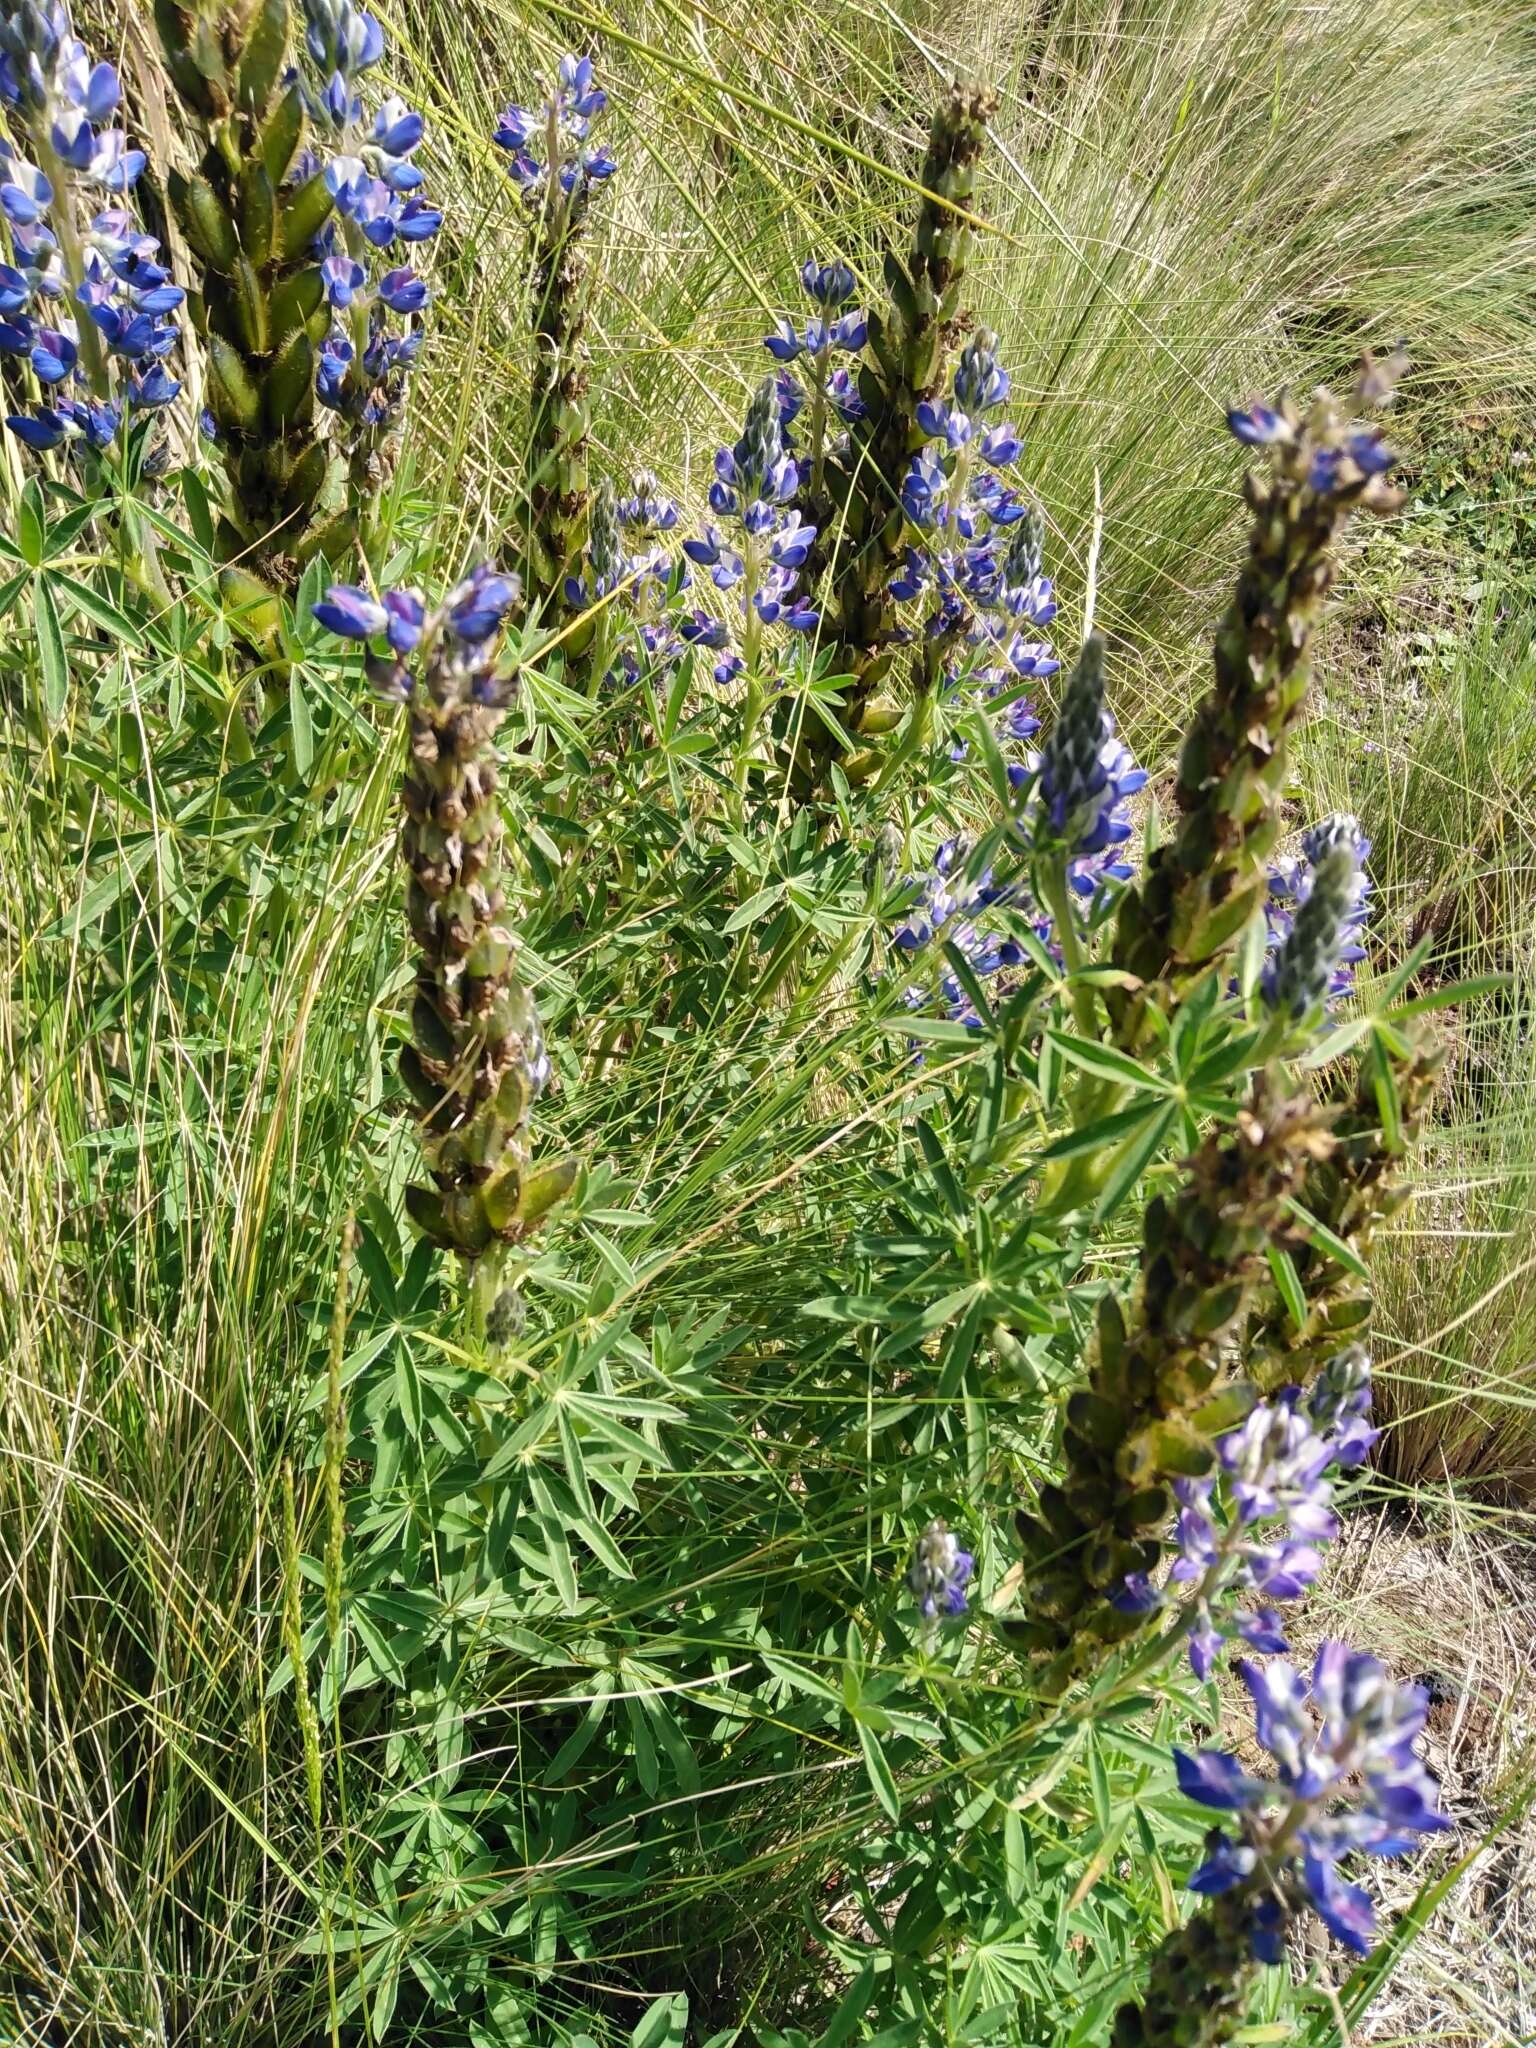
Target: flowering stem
<point>819,424</point>
<point>61,219</point>
<point>1057,898</point>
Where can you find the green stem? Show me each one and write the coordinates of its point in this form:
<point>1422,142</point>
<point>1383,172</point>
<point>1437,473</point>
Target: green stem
<point>1057,898</point>
<point>61,219</point>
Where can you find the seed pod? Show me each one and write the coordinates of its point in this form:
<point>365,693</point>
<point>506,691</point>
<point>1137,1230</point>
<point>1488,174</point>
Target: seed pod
<point>259,283</point>
<point>1157,1394</point>
<point>904,364</point>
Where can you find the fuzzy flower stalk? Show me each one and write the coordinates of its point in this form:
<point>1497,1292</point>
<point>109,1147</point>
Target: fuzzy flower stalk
<point>85,296</point>
<point>902,367</point>
<point>555,167</point>
<point>1159,1391</point>
<point>251,209</point>
<point>1202,886</point>
<point>1347,1782</point>
<point>477,1063</point>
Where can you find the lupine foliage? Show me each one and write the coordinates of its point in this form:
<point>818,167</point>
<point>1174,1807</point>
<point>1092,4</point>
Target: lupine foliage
<point>778,902</point>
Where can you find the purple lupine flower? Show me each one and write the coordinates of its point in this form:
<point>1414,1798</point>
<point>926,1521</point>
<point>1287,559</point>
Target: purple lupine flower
<point>939,1573</point>
<point>1258,426</point>
<point>59,101</point>
<point>1348,1779</point>
<point>351,612</point>
<point>477,606</point>
<point>523,135</point>
<point>1086,774</point>
<point>829,284</point>
<point>1255,1525</point>
<point>398,616</point>
<point>1318,965</point>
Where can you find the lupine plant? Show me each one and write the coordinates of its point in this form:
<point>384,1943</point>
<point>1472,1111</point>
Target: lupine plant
<point>900,1329</point>
<point>85,302</point>
<point>476,1063</point>
<point>302,209</point>
<point>556,168</point>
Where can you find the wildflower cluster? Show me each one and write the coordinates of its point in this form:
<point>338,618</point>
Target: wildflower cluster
<point>1070,826</point>
<point>1317,904</point>
<point>902,368</point>
<point>956,903</point>
<point>1348,1780</point>
<point>755,480</point>
<point>476,1063</point>
<point>1086,776</point>
<point>86,300</point>
<point>555,136</point>
<point>379,215</point>
<point>632,573</point>
<point>939,1573</point>
<point>980,543</point>
<point>1157,1395</point>
<point>1256,1525</point>
<point>830,332</point>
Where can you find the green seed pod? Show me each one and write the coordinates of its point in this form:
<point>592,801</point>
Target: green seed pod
<point>229,62</point>
<point>288,392</point>
<point>236,401</point>
<point>208,227</point>
<point>903,364</point>
<point>1157,1394</point>
<point>258,212</point>
<point>1203,885</point>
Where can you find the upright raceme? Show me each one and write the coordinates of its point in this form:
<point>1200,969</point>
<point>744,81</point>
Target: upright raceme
<point>476,1064</point>
<point>85,305</point>
<point>1204,884</point>
<point>1347,1782</point>
<point>556,167</point>
<point>380,217</point>
<point>903,367</point>
<point>1160,1389</point>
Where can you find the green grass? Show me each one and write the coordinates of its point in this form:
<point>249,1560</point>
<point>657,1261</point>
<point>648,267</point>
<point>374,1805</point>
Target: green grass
<point>1188,200</point>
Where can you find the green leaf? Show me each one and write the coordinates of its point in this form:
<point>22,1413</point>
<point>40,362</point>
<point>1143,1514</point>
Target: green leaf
<point>879,1772</point>
<point>937,1030</point>
<point>300,724</point>
<point>850,2011</point>
<point>50,651</point>
<point>1134,1156</point>
<point>97,609</point>
<point>1452,992</point>
<point>664,2024</point>
<point>753,908</point>
<point>31,531</point>
<point>1093,1137</point>
<point>1320,1236</point>
<point>408,1389</point>
<point>1105,1063</point>
<point>1288,1284</point>
<point>1388,1102</point>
